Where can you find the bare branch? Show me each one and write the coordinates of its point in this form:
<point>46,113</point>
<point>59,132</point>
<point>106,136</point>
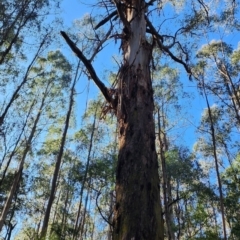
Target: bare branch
<point>150,2</point>
<point>158,38</point>
<point>205,9</point>
<point>106,19</point>
<point>99,209</point>
<point>89,67</point>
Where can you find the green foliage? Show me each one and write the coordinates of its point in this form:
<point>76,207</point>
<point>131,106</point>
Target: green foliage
<point>235,57</point>
<point>180,166</point>
<point>199,33</point>
<point>213,49</point>
<point>230,178</point>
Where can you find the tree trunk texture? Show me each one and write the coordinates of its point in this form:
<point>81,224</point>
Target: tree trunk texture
<point>137,210</point>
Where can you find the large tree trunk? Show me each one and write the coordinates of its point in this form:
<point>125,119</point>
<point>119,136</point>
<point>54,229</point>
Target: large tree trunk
<point>137,213</point>
<point>137,209</point>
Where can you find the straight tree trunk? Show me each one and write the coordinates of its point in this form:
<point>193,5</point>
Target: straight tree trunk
<point>165,182</point>
<point>64,214</point>
<point>213,136</point>
<point>137,210</point>
<point>77,225</point>
<point>82,225</point>
<point>58,161</point>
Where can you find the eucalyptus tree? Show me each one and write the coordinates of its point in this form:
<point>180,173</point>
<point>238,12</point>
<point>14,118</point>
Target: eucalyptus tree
<point>231,187</point>
<point>132,101</point>
<point>39,95</point>
<point>92,142</point>
<point>168,91</point>
<point>89,142</point>
<point>131,98</point>
<point>213,129</point>
<point>15,19</point>
<point>25,78</point>
<point>66,68</point>
<point>18,110</point>
<point>220,58</point>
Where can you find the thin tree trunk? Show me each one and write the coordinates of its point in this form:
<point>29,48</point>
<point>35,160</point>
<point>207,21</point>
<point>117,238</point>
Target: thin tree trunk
<point>77,224</point>
<point>64,215</point>
<point>9,234</point>
<point>25,78</point>
<point>39,223</point>
<point>83,218</point>
<point>58,161</point>
<point>216,162</point>
<point>10,225</point>
<point>232,91</point>
<point>166,191</point>
<point>56,210</point>
<point>18,140</point>
<point>20,168</point>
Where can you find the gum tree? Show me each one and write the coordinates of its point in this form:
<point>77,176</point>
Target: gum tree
<point>137,213</point>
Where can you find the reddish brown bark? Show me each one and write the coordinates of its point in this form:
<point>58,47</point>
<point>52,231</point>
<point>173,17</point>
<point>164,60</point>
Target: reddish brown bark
<point>137,210</point>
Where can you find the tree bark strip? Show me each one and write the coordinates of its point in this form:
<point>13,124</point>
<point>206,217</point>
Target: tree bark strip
<point>137,210</point>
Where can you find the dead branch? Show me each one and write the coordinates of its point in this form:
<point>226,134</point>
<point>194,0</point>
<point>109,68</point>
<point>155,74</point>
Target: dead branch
<point>159,39</point>
<point>88,65</point>
<point>106,19</point>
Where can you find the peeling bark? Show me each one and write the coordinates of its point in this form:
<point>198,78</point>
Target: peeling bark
<point>137,210</point>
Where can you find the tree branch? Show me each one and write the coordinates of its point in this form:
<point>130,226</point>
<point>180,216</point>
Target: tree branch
<point>99,209</point>
<point>121,14</point>
<point>159,40</point>
<point>88,65</point>
<point>150,3</point>
<point>100,43</point>
<point>106,19</point>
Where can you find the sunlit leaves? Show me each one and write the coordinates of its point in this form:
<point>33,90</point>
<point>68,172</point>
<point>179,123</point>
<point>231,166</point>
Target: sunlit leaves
<point>235,58</point>
<point>213,49</point>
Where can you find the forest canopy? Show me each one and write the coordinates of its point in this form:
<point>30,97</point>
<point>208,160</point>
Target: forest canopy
<point>119,119</point>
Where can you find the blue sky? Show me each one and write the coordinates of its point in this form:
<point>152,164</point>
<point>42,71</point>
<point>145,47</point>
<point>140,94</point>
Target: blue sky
<point>75,9</point>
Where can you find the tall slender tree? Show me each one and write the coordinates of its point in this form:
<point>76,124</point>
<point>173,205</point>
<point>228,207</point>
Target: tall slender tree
<point>59,156</point>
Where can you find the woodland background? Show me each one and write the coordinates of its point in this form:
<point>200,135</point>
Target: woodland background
<point>58,139</point>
